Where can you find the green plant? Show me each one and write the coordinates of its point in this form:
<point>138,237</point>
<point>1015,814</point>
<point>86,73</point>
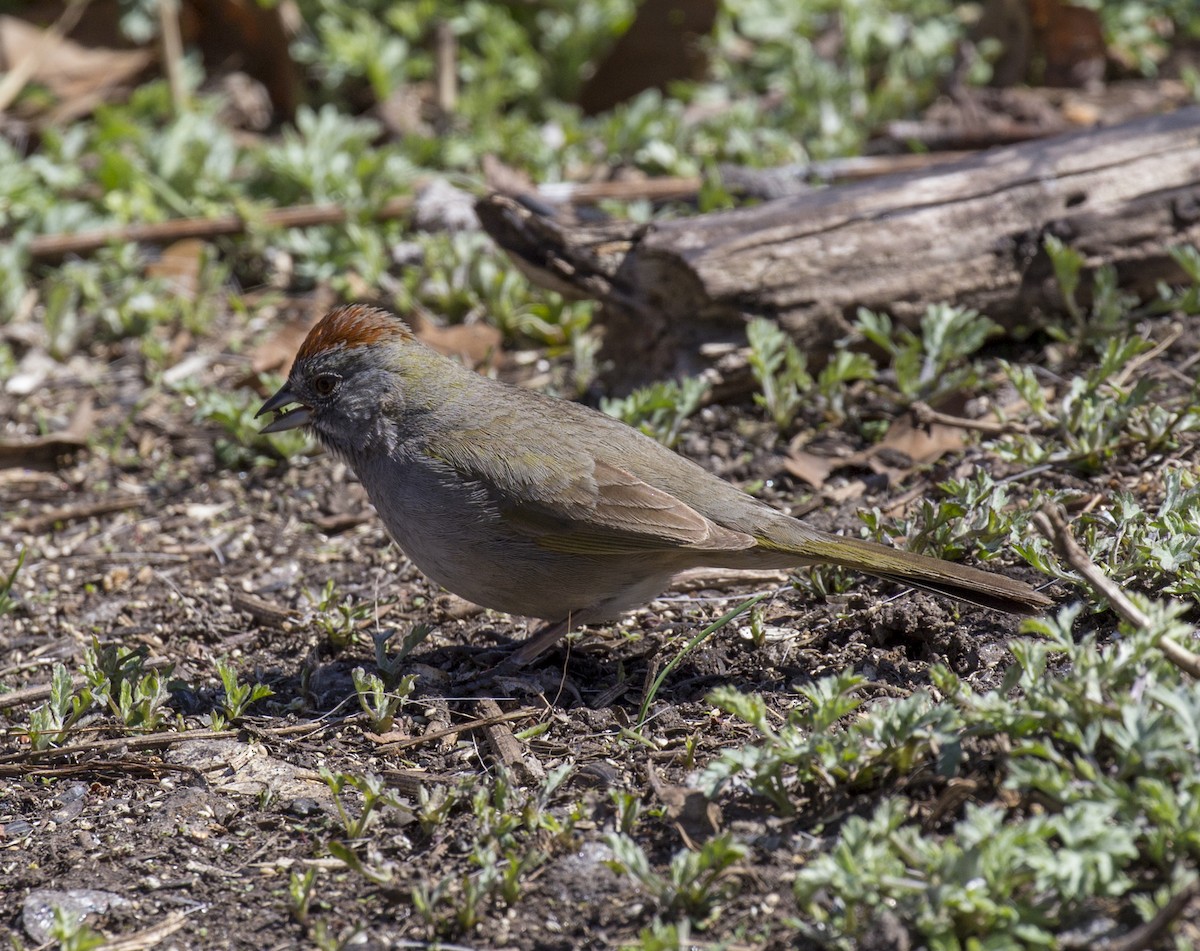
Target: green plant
<point>300,893</point>
<point>390,665</point>
<point>1109,310</point>
<point>378,702</point>
<point>238,696</point>
<point>931,363</point>
<point>234,411</point>
<point>1098,415</point>
<point>663,936</point>
<point>374,796</point>
<point>1187,297</point>
<point>780,370</point>
<point>691,645</point>
<point>1138,542</point>
<point>843,368</point>
<point>629,809</point>
<point>341,618</point>
<point>659,410</point>
<point>514,831</point>
<point>434,808</point>
<point>692,884</point>
<point>117,678</point>
<point>73,934</point>
<point>971,515</point>
<point>1098,765</point>
<point>50,723</point>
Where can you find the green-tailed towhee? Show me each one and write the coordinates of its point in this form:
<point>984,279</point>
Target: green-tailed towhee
<point>541,507</point>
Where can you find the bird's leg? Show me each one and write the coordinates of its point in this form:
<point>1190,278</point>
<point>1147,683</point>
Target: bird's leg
<point>538,643</point>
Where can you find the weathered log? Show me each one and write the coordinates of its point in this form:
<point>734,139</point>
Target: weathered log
<point>972,232</point>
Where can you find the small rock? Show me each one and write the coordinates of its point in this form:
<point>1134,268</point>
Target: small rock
<point>37,914</point>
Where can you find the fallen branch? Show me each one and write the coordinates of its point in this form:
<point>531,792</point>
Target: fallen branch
<point>677,291</point>
<point>51,247</point>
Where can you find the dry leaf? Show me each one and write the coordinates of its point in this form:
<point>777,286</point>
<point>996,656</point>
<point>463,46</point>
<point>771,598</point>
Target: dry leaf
<point>278,350</point>
<point>179,266</point>
<point>695,817</point>
<point>811,468</point>
<point>908,445</point>
<point>79,78</point>
<point>905,447</point>
<point>475,344</point>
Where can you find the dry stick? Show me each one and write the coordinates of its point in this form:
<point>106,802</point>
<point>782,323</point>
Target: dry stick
<point>154,740</point>
<point>172,47</point>
<point>54,246</point>
<point>37,524</point>
<point>479,724</point>
<point>924,414</point>
<point>155,934</point>
<point>145,742</point>
<point>445,70</point>
<point>93,766</point>
<point>505,746</point>
<point>1051,521</point>
<point>51,247</point>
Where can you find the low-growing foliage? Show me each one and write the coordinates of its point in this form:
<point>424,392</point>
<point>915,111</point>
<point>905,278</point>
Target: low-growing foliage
<point>659,410</point>
<point>1109,748</point>
<point>780,370</point>
<point>933,362</point>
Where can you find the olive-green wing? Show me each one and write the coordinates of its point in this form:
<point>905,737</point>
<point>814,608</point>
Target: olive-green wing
<point>574,503</point>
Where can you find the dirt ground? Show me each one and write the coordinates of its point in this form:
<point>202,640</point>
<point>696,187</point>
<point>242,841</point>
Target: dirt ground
<point>191,836</point>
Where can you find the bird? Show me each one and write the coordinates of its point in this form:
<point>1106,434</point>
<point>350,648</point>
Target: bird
<point>545,508</point>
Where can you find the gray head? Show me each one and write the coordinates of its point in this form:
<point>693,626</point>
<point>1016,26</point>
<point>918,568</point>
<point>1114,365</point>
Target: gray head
<point>344,379</point>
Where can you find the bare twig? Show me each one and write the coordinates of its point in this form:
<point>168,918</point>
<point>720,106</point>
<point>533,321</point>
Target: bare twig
<point>1051,521</point>
<point>924,415</point>
<point>147,741</point>
<point>455,730</point>
<point>36,524</point>
<point>50,247</point>
<point>505,746</point>
<point>172,47</point>
<point>445,70</point>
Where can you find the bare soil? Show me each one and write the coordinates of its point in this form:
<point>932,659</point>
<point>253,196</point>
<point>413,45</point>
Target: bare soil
<point>143,539</point>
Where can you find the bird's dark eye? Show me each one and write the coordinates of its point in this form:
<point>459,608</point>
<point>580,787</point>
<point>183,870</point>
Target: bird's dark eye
<point>326,383</point>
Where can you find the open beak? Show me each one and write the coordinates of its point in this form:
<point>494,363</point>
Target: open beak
<point>300,416</point>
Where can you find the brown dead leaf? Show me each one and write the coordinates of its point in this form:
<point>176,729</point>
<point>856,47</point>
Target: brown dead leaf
<point>694,815</point>
<point>476,345</point>
<point>179,267</point>
<point>811,468</point>
<point>1044,42</point>
<point>79,78</point>
<point>1069,43</point>
<point>664,44</point>
<point>278,350</point>
<point>905,447</point>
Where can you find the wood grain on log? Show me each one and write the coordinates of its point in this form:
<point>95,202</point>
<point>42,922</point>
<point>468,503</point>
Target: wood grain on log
<point>970,232</point>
